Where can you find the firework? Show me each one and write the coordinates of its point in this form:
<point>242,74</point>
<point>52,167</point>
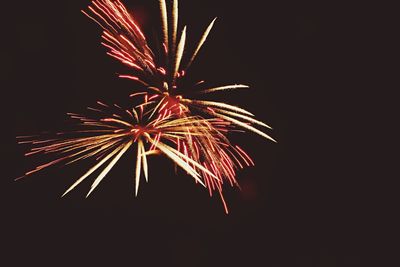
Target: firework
<point>108,136</point>
<point>193,133</point>
<point>126,42</point>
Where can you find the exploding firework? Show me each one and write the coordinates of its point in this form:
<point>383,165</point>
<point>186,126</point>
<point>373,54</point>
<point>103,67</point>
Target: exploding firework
<point>110,131</point>
<point>193,133</point>
<point>126,42</point>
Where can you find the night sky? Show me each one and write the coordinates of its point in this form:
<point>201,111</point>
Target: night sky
<point>297,207</point>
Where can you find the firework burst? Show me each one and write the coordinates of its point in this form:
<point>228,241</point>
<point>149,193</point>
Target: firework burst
<point>193,133</point>
<point>195,144</point>
<point>126,43</point>
<point>106,137</point>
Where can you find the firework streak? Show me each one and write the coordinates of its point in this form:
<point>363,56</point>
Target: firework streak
<point>167,121</point>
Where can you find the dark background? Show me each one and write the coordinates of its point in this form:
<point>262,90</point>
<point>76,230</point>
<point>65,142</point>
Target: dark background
<point>300,205</point>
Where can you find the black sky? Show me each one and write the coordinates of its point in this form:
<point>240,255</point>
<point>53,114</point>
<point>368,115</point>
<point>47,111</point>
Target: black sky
<point>299,205</point>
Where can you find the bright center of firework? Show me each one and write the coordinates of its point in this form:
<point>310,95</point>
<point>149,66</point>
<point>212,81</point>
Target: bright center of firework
<point>172,103</point>
<point>139,131</point>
